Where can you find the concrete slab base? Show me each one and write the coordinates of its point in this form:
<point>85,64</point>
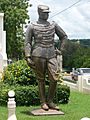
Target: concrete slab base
<point>41,112</point>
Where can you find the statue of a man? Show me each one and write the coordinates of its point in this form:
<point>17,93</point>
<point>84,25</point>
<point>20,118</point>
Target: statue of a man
<point>40,54</point>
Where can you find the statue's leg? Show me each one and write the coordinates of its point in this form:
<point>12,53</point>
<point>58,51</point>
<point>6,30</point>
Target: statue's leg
<point>41,86</point>
<point>40,65</point>
<point>52,72</point>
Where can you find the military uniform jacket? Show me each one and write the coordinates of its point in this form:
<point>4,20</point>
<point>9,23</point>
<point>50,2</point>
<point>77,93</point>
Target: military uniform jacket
<point>39,39</point>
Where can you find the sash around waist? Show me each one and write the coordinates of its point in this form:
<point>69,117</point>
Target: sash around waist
<point>44,52</point>
<point>44,44</point>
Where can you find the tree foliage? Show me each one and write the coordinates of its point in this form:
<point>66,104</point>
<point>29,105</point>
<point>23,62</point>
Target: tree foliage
<point>75,55</point>
<point>15,13</point>
<point>68,54</point>
<point>81,57</point>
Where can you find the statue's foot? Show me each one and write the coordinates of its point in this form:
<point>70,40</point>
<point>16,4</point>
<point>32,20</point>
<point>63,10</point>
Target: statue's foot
<point>51,105</point>
<point>44,106</point>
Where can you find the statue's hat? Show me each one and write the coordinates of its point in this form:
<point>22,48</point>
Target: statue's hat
<point>43,8</point>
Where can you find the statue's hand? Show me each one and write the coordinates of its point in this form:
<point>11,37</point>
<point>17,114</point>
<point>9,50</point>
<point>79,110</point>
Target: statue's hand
<point>58,52</point>
<point>30,62</point>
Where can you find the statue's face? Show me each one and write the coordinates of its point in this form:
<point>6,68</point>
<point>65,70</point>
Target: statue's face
<point>43,15</point>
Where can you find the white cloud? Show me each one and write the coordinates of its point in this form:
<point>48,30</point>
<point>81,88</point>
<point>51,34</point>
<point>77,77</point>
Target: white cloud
<point>85,10</point>
<point>75,21</point>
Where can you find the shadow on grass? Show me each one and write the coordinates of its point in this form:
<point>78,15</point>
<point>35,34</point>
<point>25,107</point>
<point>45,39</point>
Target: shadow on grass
<point>26,112</point>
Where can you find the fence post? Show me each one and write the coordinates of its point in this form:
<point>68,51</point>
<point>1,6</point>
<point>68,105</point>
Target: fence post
<point>11,106</point>
<point>79,83</point>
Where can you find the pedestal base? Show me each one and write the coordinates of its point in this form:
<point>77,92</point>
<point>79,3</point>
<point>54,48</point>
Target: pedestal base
<point>41,112</point>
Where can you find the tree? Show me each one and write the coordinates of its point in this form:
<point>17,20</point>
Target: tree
<point>15,14</point>
<point>75,55</point>
<point>81,57</point>
<point>68,54</point>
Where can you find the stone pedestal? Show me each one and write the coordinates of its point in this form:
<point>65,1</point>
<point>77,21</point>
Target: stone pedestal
<point>3,42</point>
<point>41,112</point>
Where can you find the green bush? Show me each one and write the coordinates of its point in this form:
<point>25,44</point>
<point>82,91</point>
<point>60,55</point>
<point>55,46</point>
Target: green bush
<point>3,94</point>
<point>63,93</point>
<point>29,95</point>
<point>19,73</point>
<point>19,77</point>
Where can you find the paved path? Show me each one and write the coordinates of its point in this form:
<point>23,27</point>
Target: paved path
<point>67,77</point>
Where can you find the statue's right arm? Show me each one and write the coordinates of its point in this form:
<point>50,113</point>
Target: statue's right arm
<point>28,46</point>
<point>28,41</point>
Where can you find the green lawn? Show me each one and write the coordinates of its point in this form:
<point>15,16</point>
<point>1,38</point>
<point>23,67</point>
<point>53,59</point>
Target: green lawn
<point>78,107</point>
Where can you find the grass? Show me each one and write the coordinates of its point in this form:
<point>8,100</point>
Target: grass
<point>77,108</point>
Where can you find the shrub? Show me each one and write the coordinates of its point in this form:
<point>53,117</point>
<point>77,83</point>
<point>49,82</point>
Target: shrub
<point>19,73</point>
<point>3,94</point>
<point>29,95</point>
<point>62,94</point>
<point>20,77</point>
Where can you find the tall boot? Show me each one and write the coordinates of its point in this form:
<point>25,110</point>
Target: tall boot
<point>51,93</point>
<point>41,85</point>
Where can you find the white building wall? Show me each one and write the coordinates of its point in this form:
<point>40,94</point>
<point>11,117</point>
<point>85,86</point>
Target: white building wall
<point>3,55</point>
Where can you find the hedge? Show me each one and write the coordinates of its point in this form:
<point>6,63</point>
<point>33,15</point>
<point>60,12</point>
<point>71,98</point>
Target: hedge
<point>19,73</point>
<point>21,78</point>
<point>29,95</point>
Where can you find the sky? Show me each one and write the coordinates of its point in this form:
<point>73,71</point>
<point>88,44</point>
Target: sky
<point>74,20</point>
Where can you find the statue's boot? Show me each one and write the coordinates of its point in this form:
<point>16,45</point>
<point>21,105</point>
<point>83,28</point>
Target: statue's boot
<point>41,85</point>
<point>51,93</point>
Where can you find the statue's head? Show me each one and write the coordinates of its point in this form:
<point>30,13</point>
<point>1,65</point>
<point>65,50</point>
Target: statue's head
<point>43,12</point>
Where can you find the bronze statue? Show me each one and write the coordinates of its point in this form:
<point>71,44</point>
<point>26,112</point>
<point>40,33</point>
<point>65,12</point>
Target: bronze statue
<point>40,54</point>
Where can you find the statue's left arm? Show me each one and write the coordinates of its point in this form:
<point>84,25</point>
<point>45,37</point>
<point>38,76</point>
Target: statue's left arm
<point>62,36</point>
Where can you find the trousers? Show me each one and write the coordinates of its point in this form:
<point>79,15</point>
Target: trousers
<point>43,66</point>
